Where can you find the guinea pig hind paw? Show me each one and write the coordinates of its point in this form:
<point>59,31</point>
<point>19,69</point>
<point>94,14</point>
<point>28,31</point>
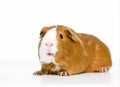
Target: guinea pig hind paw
<point>64,73</point>
<point>104,69</point>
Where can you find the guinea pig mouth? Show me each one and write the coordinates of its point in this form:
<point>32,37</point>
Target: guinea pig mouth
<point>50,54</point>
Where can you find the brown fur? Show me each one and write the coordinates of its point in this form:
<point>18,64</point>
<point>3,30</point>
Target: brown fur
<point>77,53</point>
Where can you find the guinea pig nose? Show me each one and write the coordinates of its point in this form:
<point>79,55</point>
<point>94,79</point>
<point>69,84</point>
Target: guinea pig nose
<point>49,44</point>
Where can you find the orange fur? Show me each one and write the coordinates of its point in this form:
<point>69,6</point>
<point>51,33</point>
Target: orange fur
<point>77,53</point>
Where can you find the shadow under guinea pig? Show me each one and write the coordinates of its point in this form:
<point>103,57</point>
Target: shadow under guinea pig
<point>86,78</point>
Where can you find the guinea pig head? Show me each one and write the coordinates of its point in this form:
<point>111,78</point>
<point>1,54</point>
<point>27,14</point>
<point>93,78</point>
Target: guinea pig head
<point>69,46</point>
<point>47,47</point>
<point>59,45</point>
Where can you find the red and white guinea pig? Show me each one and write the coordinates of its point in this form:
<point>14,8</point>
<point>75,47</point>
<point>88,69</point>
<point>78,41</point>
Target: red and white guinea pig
<point>64,52</point>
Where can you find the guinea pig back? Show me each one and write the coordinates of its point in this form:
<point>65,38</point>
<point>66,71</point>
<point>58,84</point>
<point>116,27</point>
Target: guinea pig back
<point>63,51</point>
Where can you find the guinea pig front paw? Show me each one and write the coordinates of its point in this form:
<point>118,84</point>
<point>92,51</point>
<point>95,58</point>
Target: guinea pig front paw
<point>38,73</point>
<point>63,73</point>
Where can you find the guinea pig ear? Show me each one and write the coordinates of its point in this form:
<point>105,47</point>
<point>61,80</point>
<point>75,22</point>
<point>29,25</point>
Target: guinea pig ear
<point>72,35</point>
<point>43,32</point>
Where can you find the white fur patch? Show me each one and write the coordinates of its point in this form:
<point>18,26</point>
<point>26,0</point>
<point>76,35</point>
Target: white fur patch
<point>57,67</point>
<point>47,52</point>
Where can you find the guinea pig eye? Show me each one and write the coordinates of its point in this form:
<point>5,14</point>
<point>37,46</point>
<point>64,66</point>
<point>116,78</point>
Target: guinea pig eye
<point>61,36</point>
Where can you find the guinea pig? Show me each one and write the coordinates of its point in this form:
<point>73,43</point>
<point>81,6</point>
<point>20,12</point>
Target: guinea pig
<point>64,52</point>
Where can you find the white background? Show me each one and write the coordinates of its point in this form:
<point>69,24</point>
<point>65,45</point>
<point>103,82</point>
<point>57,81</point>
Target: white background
<point>20,24</point>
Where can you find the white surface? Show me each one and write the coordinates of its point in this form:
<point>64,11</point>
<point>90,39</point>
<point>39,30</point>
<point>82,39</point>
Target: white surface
<point>20,24</point>
<point>20,74</point>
